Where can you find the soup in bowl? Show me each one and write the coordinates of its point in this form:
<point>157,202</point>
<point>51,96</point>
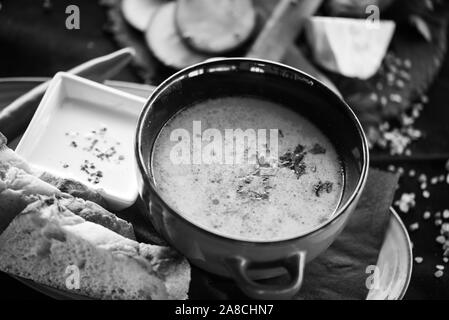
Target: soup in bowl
<point>249,168</point>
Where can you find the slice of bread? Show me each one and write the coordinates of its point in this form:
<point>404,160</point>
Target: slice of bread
<point>74,188</point>
<point>47,239</point>
<point>92,212</point>
<point>18,188</point>
<point>77,189</point>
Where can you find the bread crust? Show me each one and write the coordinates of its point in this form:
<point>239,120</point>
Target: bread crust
<point>19,188</point>
<point>47,238</point>
<point>77,189</point>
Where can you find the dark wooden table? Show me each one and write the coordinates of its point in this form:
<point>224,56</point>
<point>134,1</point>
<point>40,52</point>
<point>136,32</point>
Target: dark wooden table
<point>35,42</point>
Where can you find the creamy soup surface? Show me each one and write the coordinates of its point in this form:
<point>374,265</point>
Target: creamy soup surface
<point>265,197</point>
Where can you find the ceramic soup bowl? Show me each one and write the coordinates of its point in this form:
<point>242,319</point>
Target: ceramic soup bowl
<point>246,262</point>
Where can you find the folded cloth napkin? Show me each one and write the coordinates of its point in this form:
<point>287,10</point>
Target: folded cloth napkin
<point>341,271</point>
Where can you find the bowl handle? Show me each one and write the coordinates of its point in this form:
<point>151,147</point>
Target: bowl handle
<point>294,264</point>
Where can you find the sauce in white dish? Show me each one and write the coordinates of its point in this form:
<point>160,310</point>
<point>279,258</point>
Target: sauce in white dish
<point>67,147</point>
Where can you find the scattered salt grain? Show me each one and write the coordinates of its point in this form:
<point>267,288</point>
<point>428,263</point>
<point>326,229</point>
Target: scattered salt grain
<point>407,63</point>
<point>385,126</point>
<point>414,226</point>
<point>439,274</point>
<point>445,259</point>
<point>47,4</point>
<point>440,239</point>
<point>422,178</point>
<point>416,113</point>
<point>446,214</point>
<point>396,98</point>
<point>406,202</point>
<point>427,215</point>
<point>445,229</point>
<point>426,194</point>
<point>400,84</point>
<point>412,173</point>
<point>438,222</point>
<point>390,78</point>
<point>397,140</point>
<point>419,260</point>
<point>434,180</point>
<point>405,75</point>
<point>418,106</point>
<point>393,68</point>
<point>440,267</point>
<point>413,134</point>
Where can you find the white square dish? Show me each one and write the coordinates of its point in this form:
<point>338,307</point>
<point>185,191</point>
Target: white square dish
<point>85,131</point>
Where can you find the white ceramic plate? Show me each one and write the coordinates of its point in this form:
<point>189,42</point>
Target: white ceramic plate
<point>395,262</point>
<point>85,131</point>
